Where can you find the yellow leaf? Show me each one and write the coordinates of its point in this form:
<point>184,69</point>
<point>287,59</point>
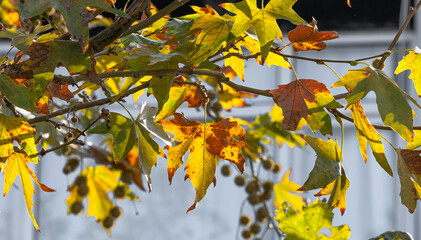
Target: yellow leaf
<point>206,142</point>
<point>236,63</point>
<point>284,192</point>
<point>231,98</point>
<point>16,129</point>
<point>367,133</point>
<point>16,164</point>
<point>412,62</point>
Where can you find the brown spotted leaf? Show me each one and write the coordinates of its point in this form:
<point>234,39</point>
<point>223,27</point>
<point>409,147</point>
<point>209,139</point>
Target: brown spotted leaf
<point>304,98</point>
<point>206,143</point>
<point>60,91</point>
<point>308,37</point>
<point>409,170</point>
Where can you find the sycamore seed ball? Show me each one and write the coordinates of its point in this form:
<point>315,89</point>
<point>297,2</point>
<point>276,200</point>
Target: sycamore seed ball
<point>255,228</point>
<point>247,234</point>
<point>240,180</point>
<point>226,170</point>
<point>108,222</point>
<point>76,208</point>
<point>245,220</point>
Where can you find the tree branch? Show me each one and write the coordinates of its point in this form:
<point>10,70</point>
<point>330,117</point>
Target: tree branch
<point>114,31</point>
<point>149,21</point>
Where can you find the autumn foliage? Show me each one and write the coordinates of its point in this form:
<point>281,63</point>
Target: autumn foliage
<point>57,86</point>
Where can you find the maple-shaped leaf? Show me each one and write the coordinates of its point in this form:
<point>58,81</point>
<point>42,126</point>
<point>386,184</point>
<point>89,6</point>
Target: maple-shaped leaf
<point>337,191</point>
<point>367,133</point>
<point>100,180</point>
<point>262,20</point>
<point>125,132</point>
<point>74,12</point>
<point>236,64</point>
<point>393,107</point>
<point>284,190</point>
<point>206,142</point>
<point>409,171</point>
<point>178,94</point>
<point>17,164</point>
<point>328,163</point>
<point>230,97</point>
<point>214,32</point>
<point>16,129</point>
<point>304,98</point>
<point>308,37</point>
<point>309,222</point>
<point>412,62</point>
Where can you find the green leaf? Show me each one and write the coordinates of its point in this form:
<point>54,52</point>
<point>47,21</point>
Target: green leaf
<point>308,223</point>
<point>393,235</point>
<point>409,171</point>
<point>328,163</point>
<point>214,32</point>
<point>263,21</point>
<point>123,131</point>
<point>18,93</point>
<point>74,13</point>
<point>393,107</point>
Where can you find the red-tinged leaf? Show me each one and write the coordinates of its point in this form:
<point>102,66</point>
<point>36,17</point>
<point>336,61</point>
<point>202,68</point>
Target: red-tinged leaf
<point>60,91</point>
<point>412,62</point>
<point>308,37</point>
<point>229,72</point>
<point>302,98</point>
<point>409,170</point>
<point>206,142</point>
<point>367,134</point>
<point>235,63</point>
<point>392,105</point>
<point>16,164</point>
<point>232,98</point>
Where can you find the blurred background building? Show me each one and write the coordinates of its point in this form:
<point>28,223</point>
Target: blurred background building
<point>373,202</point>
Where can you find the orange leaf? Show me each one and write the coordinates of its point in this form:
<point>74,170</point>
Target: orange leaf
<point>206,142</point>
<point>308,37</point>
<point>296,98</point>
<point>60,91</point>
<point>16,164</point>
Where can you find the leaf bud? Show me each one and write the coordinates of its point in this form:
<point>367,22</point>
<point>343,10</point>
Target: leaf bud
<point>353,63</point>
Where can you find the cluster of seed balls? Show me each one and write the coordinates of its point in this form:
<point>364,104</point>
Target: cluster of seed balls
<point>83,190</point>
<point>258,193</point>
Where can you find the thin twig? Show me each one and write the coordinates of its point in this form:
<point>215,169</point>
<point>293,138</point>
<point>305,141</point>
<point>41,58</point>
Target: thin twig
<point>411,13</point>
<point>74,140</point>
<point>149,21</point>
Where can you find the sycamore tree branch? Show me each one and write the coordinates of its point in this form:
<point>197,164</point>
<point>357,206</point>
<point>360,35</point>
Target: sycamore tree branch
<point>114,31</point>
<point>149,21</point>
<point>412,12</point>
